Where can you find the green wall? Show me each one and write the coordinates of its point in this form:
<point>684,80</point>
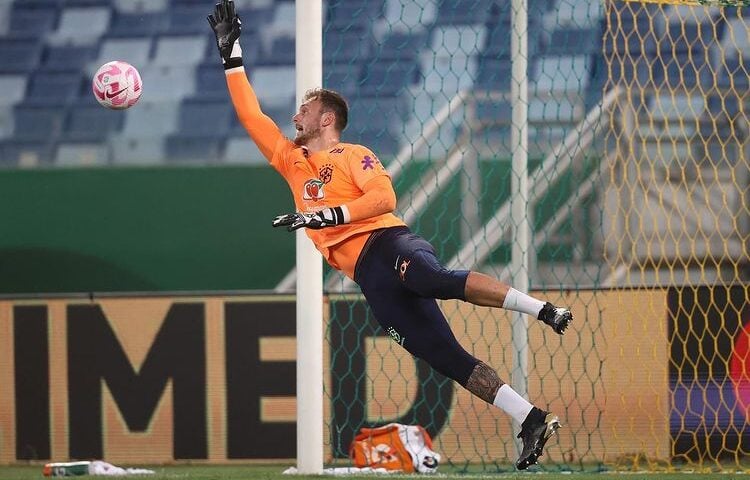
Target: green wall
<point>142,229</point>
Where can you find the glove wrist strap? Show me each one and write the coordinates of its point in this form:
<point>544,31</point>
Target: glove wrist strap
<point>235,57</point>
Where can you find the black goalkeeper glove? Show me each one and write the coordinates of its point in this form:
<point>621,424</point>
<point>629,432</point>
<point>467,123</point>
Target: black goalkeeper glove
<point>227,27</point>
<point>328,217</point>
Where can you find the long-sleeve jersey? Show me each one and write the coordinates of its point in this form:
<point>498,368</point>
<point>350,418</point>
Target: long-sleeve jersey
<point>317,180</point>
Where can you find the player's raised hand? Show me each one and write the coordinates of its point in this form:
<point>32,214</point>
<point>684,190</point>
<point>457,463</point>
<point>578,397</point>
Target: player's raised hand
<point>328,217</point>
<point>227,27</point>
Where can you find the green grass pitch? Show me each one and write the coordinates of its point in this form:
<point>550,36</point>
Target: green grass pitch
<point>274,472</point>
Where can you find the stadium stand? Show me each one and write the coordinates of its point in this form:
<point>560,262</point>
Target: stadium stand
<point>417,55</point>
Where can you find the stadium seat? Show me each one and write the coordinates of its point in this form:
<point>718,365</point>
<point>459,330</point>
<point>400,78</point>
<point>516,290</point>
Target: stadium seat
<point>468,12</point>
<point>211,81</point>
<point>400,46</point>
<point>407,17</point>
<point>6,121</point>
<point>80,25</point>
<point>282,52</point>
<point>136,24</point>
<point>134,50</point>
<point>571,41</point>
<point>151,118</point>
<point>53,88</point>
<point>67,58</point>
<point>736,39</point>
<point>346,47</point>
<point>13,88</point>
<point>345,79</point>
<point>282,24</point>
<point>18,56</point>
<point>382,142</point>
<point>573,14</point>
<point>91,123</point>
<point>493,74</point>
<point>188,149</point>
<point>81,154</point>
<point>201,117</point>
<point>387,78</point>
<point>358,14</point>
<point>466,40</point>
<point>29,18</point>
<point>242,150</point>
<point>140,150</point>
<point>167,83</point>
<point>180,50</point>
<point>275,86</point>
<point>187,19</point>
<point>17,152</point>
<point>561,73</point>
<point>41,123</point>
<point>137,6</point>
<point>447,75</point>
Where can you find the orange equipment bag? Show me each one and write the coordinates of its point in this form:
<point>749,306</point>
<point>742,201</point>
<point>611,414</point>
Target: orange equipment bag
<point>394,447</point>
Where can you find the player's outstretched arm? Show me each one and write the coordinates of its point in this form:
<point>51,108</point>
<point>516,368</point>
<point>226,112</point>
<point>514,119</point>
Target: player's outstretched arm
<point>227,28</point>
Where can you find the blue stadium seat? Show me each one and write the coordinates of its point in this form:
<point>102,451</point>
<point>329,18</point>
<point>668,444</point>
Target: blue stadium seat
<point>23,153</point>
<point>557,73</point>
<point>91,123</point>
<point>13,88</point>
<point>80,26</point>
<point>493,74</point>
<point>400,46</point>
<point>275,86</point>
<point>201,117</point>
<point>378,113</point>
<point>27,19</point>
<point>387,78</point>
<point>409,17</point>
<point>186,19</point>
<point>53,88</point>
<point>81,154</point>
<point>136,24</point>
<point>179,50</point>
<point>167,83</point>
<point>282,52</point>
<point>683,70</point>
<point>137,150</point>
<point>345,14</point>
<point>40,123</point>
<point>19,56</point>
<point>186,149</point>
<point>346,47</point>
<point>134,50</point>
<point>571,41</point>
<point>151,118</point>
<point>382,142</point>
<point>342,78</point>
<point>211,81</point>
<point>468,12</point>
<point>67,58</point>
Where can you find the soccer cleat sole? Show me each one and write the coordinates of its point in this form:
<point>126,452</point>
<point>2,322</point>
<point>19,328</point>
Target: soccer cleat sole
<point>553,424</point>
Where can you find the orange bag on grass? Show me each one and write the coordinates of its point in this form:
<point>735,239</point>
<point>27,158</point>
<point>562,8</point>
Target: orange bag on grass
<point>406,448</point>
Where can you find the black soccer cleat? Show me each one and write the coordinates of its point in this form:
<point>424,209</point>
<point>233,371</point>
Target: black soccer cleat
<point>557,318</point>
<point>538,427</point>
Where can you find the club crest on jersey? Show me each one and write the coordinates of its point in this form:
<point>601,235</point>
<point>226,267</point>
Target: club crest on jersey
<point>313,190</point>
<point>326,173</point>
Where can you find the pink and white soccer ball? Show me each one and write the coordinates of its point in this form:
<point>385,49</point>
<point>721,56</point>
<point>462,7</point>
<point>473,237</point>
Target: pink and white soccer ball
<point>117,85</point>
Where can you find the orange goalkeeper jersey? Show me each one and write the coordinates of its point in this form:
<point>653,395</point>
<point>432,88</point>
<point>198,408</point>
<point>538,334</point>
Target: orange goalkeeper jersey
<point>318,180</point>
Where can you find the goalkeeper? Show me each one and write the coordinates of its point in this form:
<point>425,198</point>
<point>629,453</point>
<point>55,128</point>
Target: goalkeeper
<point>345,200</point>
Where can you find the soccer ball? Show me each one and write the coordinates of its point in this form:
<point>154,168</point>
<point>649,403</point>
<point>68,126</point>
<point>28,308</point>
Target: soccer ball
<point>117,85</point>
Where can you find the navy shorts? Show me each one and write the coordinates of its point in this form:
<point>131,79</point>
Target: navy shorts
<point>400,276</point>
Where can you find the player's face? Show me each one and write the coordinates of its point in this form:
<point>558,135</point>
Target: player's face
<point>307,122</point>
